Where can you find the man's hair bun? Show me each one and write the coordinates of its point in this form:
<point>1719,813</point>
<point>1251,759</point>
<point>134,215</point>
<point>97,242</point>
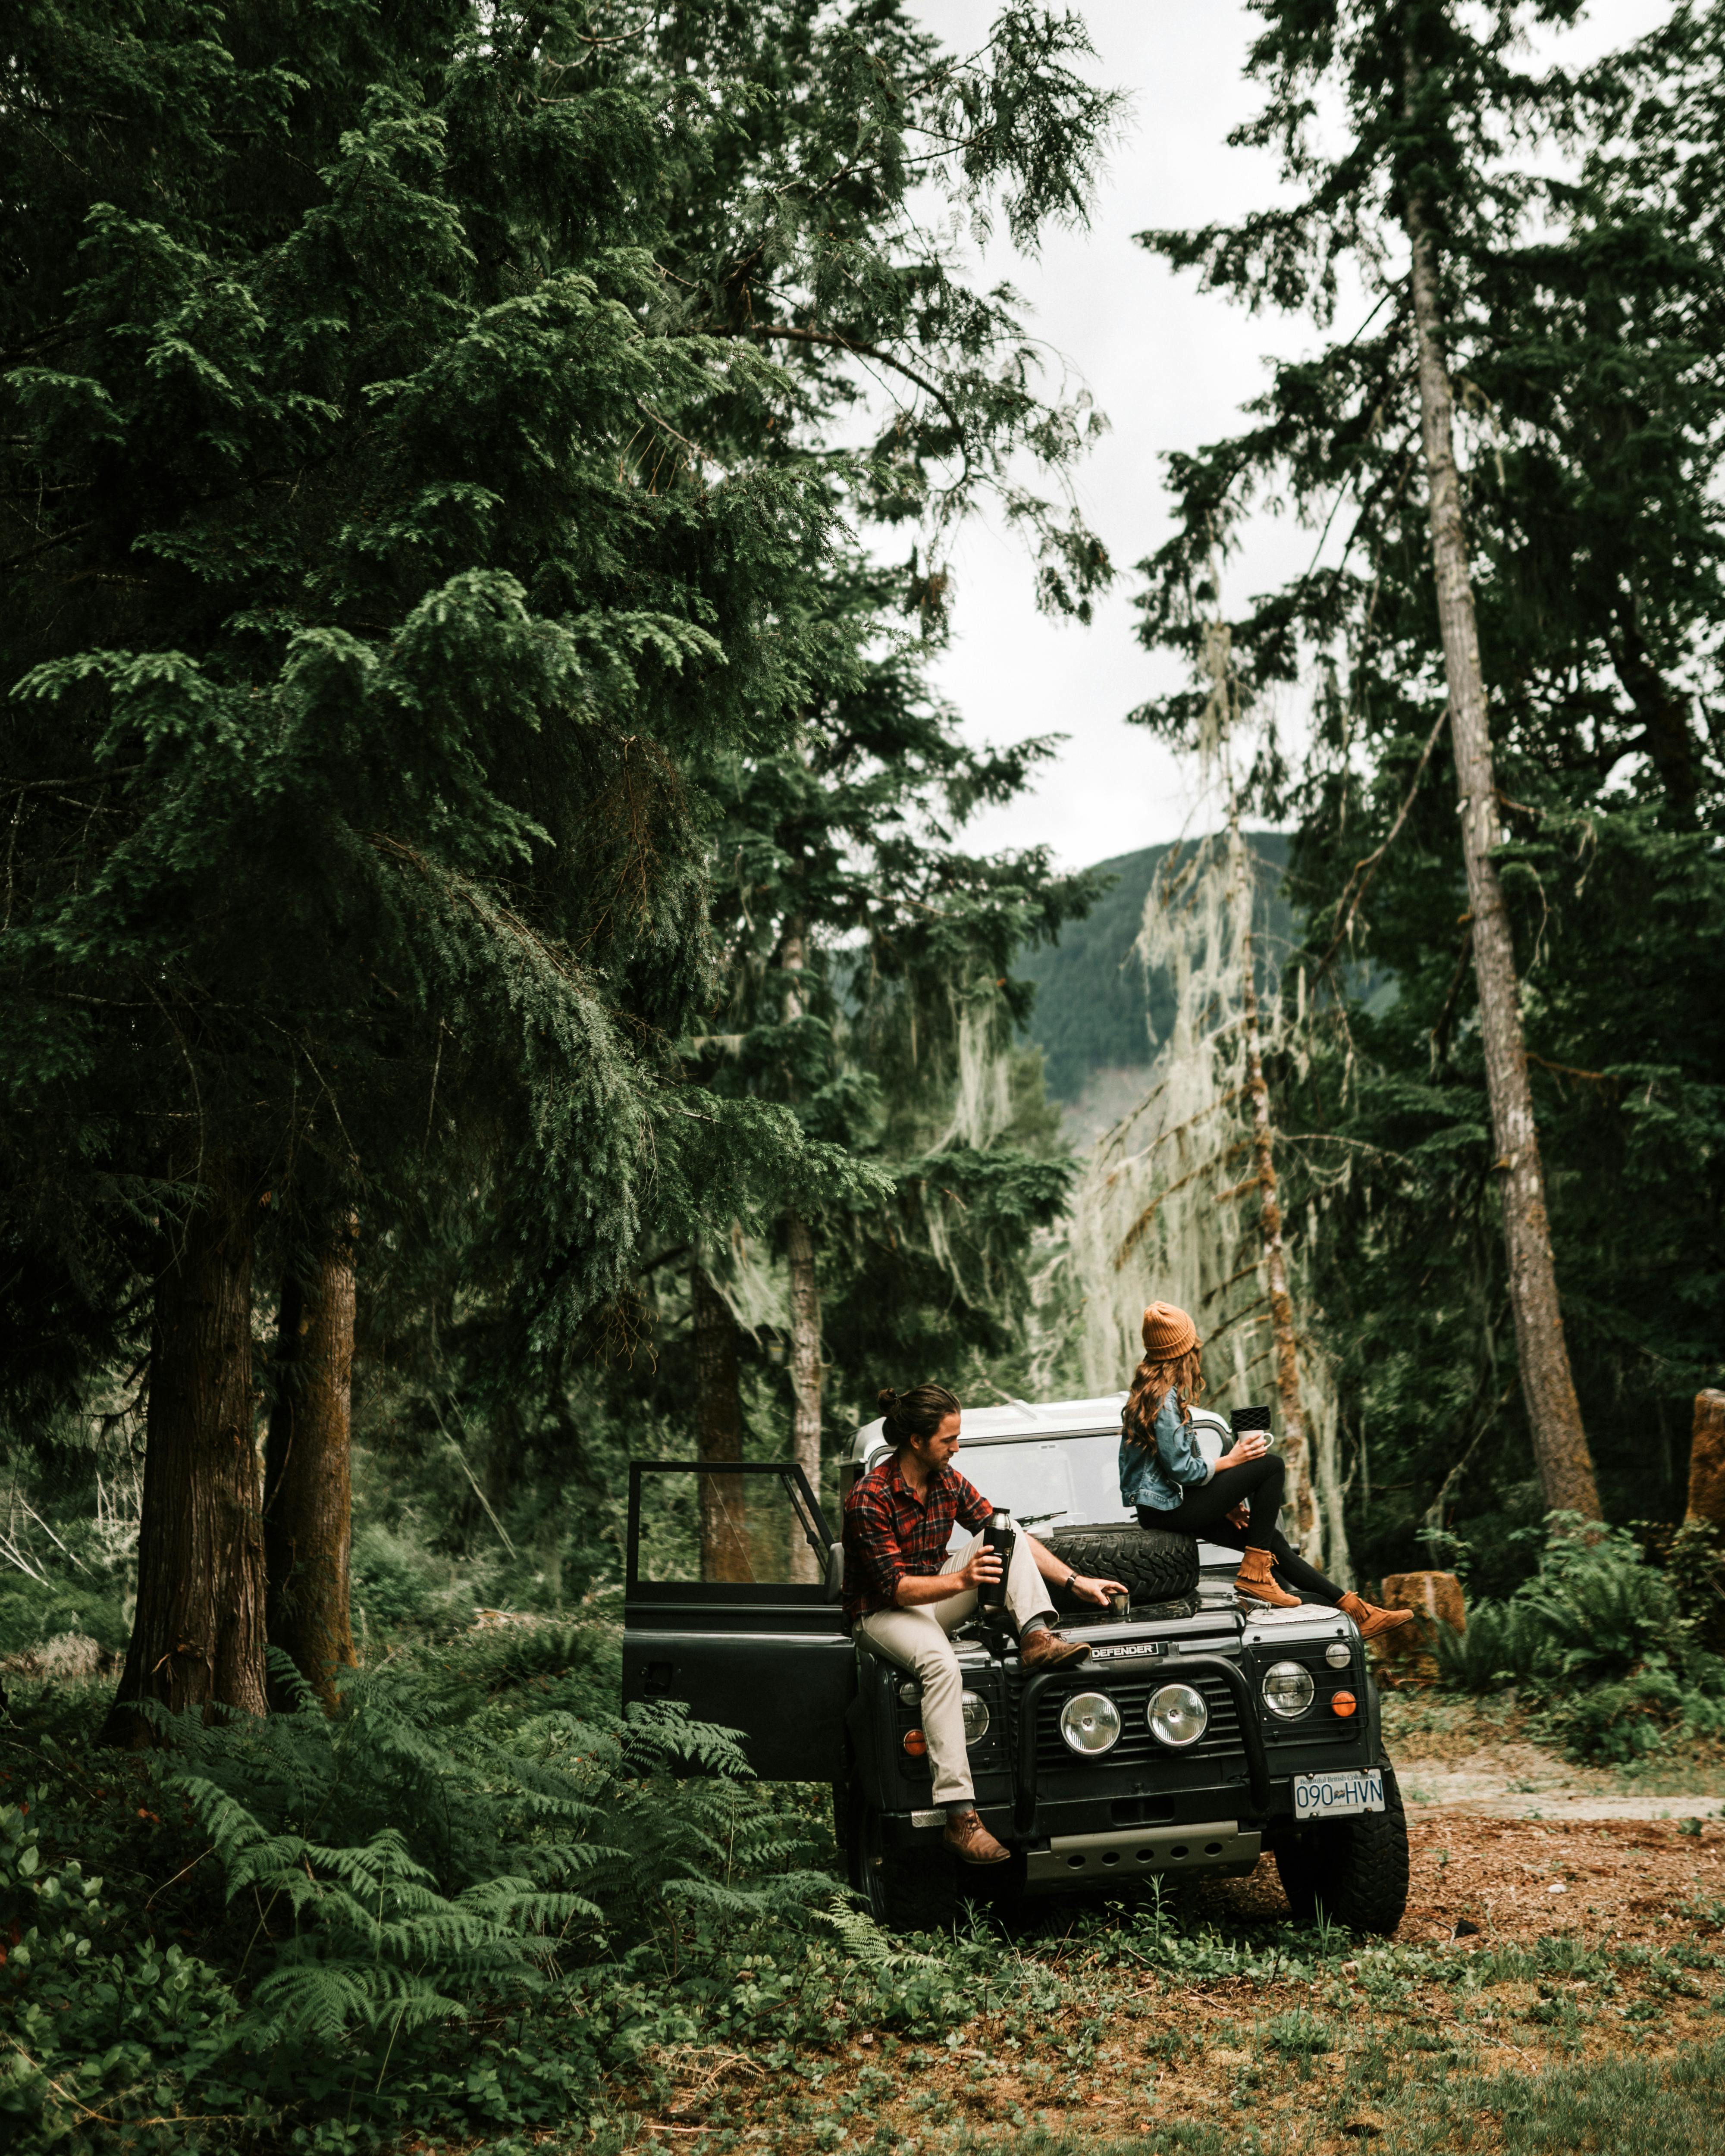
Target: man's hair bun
<point>918,1413</point>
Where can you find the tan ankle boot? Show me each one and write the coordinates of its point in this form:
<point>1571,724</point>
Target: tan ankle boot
<point>1252,1583</point>
<point>971,1842</point>
<point>1371,1620</point>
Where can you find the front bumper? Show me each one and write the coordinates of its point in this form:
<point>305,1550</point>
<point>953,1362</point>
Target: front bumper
<point>1100,1860</point>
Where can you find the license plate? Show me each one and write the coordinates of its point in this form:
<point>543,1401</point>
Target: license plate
<point>1335,1796</point>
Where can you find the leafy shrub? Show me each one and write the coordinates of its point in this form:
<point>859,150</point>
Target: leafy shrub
<point>1604,1640</point>
<point>99,2022</point>
<point>398,1587</point>
<point>1695,1564</point>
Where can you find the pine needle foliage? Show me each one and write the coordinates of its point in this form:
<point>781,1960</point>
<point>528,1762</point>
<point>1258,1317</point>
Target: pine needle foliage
<point>417,432</point>
<point>1582,280</point>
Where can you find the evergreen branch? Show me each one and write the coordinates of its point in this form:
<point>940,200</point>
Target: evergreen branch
<point>1364,870</point>
<point>857,349</point>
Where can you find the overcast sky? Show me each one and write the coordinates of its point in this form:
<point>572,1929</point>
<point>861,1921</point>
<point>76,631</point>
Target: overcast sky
<point>1170,369</point>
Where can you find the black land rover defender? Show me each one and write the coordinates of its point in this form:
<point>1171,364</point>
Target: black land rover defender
<point>1194,1736</point>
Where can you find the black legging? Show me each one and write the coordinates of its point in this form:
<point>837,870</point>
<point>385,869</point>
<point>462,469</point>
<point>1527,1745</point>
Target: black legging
<point>1258,1484</point>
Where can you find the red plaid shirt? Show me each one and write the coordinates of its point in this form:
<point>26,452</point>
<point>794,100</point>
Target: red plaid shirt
<point>889,1534</point>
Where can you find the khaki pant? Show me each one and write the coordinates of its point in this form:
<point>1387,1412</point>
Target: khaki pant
<point>916,1641</point>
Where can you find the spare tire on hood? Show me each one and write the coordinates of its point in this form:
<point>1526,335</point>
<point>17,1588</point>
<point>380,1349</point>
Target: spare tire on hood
<point>1151,1564</point>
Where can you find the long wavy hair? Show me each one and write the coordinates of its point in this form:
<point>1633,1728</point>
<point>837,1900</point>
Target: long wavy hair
<point>1182,1375</point>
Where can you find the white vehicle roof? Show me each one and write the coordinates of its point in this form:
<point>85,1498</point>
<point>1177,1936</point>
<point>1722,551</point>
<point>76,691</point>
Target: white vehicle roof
<point>1025,1418</point>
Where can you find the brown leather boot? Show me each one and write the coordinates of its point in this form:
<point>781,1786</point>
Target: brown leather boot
<point>1047,1650</point>
<point>971,1842</point>
<point>1371,1620</point>
<point>1252,1583</point>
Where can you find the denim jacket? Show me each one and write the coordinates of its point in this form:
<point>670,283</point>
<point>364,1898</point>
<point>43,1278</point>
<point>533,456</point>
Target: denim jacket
<point>1160,1477</point>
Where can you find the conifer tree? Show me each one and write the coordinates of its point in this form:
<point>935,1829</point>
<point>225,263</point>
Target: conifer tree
<point>1416,199</point>
<point>415,460</point>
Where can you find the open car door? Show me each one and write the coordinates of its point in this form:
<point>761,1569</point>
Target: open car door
<point>731,1605</point>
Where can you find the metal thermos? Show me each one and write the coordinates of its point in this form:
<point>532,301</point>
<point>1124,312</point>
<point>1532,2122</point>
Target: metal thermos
<point>999,1537</point>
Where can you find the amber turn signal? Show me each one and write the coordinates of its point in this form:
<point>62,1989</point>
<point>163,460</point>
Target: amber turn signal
<point>915,1743</point>
<point>1341,1703</point>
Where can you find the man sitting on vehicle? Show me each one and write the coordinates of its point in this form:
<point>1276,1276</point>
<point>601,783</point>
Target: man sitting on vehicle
<point>906,1594</point>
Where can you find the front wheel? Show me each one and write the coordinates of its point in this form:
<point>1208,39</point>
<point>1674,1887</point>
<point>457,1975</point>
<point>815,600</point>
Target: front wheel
<point>1354,1870</point>
<point>906,1889</point>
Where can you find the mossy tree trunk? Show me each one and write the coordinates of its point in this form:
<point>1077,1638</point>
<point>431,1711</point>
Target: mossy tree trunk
<point>197,1636</point>
<point>308,1518</point>
<point>718,1431</point>
<point>1560,1446</point>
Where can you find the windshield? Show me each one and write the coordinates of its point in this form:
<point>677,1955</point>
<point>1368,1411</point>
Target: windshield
<point>1073,1483</point>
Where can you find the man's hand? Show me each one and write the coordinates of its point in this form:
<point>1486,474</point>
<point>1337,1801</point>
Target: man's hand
<point>1240,1517</point>
<point>982,1570</point>
<point>1094,1590</point>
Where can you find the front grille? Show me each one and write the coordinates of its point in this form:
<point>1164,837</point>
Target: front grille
<point>1132,1694</point>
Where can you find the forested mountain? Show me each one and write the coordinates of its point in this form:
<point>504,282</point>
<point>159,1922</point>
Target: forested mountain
<point>1096,1009</point>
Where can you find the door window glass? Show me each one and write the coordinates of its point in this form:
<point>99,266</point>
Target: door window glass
<point>737,1525</point>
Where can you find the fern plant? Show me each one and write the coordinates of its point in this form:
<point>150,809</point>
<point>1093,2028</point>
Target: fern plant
<point>420,1860</point>
<point>1602,1639</point>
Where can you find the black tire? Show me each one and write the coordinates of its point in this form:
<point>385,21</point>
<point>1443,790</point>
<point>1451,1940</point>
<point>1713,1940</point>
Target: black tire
<point>1355,1870</point>
<point>847,1800</point>
<point>907,1890</point>
<point>1154,1565</point>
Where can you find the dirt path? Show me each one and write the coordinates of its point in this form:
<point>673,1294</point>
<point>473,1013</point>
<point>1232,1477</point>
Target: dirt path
<point>1545,1952</point>
<point>1492,1795</point>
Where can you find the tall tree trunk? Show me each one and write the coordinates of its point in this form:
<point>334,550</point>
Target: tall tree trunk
<point>805,1374</point>
<point>308,1481</point>
<point>197,1636</point>
<point>1566,1469</point>
<point>1295,1451</point>
<point>718,1432</point>
<point>805,1300</point>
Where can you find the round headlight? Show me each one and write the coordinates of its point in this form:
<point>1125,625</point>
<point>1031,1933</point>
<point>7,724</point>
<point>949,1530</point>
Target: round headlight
<point>1338,1654</point>
<point>1288,1689</point>
<point>1090,1722</point>
<point>975,1711</point>
<point>1178,1716</point>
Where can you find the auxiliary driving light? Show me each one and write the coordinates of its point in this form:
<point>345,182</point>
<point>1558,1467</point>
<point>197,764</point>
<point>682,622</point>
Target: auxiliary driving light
<point>1338,1654</point>
<point>1288,1689</point>
<point>1178,1715</point>
<point>975,1711</point>
<point>1090,1723</point>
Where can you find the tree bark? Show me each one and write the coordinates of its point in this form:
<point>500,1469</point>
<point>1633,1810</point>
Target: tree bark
<point>197,1636</point>
<point>805,1301</point>
<point>1560,1447</point>
<point>718,1432</point>
<point>1296,1452</point>
<point>805,1374</point>
<point>308,1479</point>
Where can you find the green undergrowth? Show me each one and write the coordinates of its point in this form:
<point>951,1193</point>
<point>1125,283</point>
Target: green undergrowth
<point>1616,1656</point>
<point>480,1902</point>
<point>477,1898</point>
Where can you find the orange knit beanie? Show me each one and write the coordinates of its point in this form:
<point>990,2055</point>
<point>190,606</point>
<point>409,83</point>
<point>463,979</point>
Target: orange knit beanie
<point>1168,1331</point>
